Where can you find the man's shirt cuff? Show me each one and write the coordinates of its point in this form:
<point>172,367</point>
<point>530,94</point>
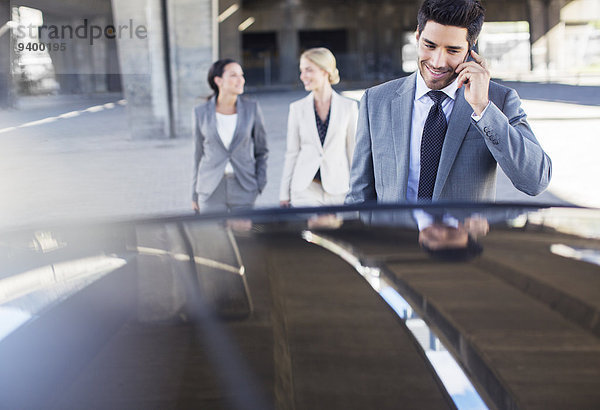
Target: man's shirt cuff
<point>476,118</point>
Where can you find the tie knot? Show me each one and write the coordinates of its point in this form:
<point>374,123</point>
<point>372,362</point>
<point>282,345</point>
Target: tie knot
<point>437,96</point>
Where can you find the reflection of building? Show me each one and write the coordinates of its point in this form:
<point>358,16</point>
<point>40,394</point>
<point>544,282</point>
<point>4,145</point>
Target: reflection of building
<point>447,368</point>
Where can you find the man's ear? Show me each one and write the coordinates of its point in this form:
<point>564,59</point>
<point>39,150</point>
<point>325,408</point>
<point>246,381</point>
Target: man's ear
<point>417,35</point>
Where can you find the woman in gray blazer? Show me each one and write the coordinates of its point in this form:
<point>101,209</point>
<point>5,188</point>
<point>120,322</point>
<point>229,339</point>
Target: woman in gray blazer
<point>320,137</point>
<point>230,159</point>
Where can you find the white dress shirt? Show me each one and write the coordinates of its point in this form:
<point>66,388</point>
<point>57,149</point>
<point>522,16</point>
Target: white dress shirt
<point>425,219</point>
<point>226,124</point>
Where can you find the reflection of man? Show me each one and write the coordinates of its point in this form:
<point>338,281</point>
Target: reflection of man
<point>440,133</point>
<point>450,239</point>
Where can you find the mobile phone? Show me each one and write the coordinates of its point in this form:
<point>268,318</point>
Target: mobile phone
<point>468,57</point>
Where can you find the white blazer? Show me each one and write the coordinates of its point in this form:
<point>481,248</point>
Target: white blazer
<point>305,154</point>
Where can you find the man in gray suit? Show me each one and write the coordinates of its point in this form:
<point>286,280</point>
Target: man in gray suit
<point>440,133</point>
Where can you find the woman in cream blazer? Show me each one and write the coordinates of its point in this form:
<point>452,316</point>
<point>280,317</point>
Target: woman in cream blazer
<point>320,137</point>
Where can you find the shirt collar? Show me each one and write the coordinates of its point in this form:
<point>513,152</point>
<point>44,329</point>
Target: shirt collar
<point>422,89</point>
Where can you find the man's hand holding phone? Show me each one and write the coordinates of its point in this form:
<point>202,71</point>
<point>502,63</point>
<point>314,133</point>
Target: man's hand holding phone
<point>475,77</point>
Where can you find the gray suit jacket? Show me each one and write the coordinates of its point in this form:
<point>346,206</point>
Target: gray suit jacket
<point>470,154</point>
<point>247,152</point>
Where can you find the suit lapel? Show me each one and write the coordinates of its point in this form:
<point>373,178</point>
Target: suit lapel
<point>457,129</point>
<point>309,114</point>
<point>333,117</point>
<point>211,121</point>
<point>402,106</point>
<point>242,113</point>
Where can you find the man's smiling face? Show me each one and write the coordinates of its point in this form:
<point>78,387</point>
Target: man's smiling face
<point>440,50</point>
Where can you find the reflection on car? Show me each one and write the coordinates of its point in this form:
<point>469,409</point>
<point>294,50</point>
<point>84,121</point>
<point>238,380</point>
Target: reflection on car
<point>381,306</point>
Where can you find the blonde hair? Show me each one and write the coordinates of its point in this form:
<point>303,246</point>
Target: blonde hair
<point>325,59</point>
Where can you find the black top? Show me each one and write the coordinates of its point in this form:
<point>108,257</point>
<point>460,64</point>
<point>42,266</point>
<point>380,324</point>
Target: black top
<point>322,128</point>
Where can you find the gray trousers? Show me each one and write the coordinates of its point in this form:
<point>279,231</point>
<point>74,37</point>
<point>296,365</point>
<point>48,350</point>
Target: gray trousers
<point>228,195</point>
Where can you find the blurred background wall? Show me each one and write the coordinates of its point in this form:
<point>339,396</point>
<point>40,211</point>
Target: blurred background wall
<point>157,52</point>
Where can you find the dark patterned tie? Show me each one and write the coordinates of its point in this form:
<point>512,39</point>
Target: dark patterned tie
<point>431,145</point>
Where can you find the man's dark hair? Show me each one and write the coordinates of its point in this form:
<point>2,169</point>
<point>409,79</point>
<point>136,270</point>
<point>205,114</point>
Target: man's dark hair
<point>467,14</point>
<point>216,70</point>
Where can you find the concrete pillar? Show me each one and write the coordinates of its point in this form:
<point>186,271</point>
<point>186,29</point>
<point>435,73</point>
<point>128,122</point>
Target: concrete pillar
<point>113,77</point>
<point>546,34</point>
<point>5,57</point>
<point>164,63</point>
<point>288,43</point>
<point>80,67</point>
<point>193,46</point>
<point>143,62</point>
<point>99,57</point>
<point>379,35</point>
<point>367,40</point>
<point>63,60</point>
<point>556,37</point>
<point>83,57</point>
<point>109,70</point>
<point>230,39</point>
<point>391,40</point>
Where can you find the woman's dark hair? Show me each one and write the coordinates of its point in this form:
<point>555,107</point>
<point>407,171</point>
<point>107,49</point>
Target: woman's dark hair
<point>216,70</point>
<point>467,14</point>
